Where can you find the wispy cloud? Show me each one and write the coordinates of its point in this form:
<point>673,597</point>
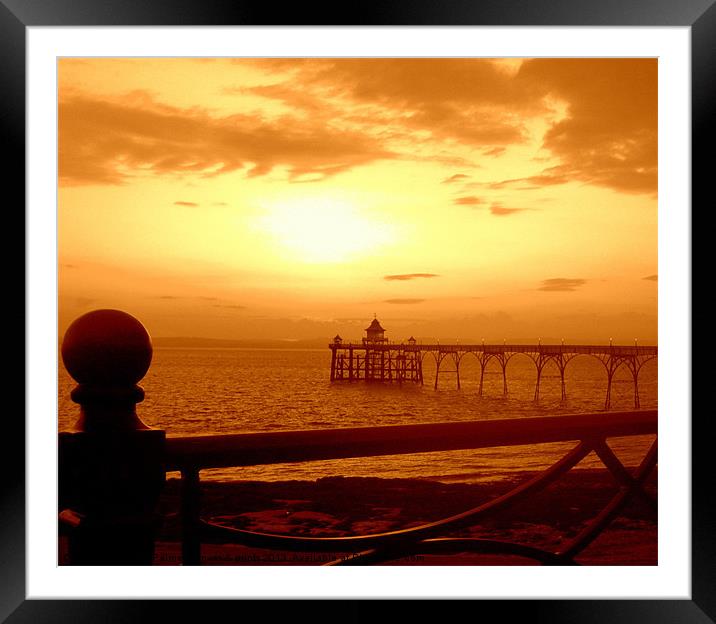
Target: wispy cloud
<point>186,203</point>
<point>548,177</point>
<point>561,284</point>
<point>458,177</point>
<point>403,301</point>
<point>651,278</point>
<point>468,200</point>
<point>409,276</point>
<point>498,210</point>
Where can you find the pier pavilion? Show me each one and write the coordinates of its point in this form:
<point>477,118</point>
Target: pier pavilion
<point>376,359</point>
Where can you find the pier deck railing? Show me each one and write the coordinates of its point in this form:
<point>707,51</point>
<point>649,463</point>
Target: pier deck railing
<point>445,347</point>
<point>113,467</point>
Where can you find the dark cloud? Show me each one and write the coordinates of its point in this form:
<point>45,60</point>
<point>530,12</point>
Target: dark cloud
<point>609,137</point>
<point>651,278</point>
<point>287,94</point>
<point>105,142</point>
<point>403,301</point>
<point>345,113</point>
<point>186,203</point>
<point>466,100</point>
<point>409,276</point>
<point>468,200</point>
<point>561,284</point>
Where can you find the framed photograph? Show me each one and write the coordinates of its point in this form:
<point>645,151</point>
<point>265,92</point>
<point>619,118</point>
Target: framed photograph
<point>426,186</point>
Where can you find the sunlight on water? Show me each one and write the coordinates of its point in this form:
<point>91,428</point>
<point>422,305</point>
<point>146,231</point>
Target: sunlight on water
<point>210,391</point>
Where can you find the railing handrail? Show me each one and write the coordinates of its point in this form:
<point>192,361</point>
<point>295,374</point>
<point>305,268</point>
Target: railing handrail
<point>251,449</point>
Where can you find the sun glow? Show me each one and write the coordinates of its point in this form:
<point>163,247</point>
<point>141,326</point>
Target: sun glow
<point>324,230</point>
<point>461,196</point>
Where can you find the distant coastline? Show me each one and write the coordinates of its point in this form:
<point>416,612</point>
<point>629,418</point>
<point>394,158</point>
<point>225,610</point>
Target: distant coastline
<point>223,343</point>
<point>195,342</point>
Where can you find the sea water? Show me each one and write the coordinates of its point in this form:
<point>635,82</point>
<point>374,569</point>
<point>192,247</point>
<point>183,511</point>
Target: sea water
<point>204,391</point>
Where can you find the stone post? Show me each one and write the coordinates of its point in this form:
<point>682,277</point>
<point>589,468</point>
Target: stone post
<point>111,465</point>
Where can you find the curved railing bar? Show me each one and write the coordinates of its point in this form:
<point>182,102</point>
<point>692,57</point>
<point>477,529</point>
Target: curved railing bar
<point>461,520</point>
<point>620,473</point>
<point>451,546</point>
<point>587,535</point>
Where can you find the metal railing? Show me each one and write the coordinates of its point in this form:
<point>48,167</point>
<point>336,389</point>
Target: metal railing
<point>590,432</point>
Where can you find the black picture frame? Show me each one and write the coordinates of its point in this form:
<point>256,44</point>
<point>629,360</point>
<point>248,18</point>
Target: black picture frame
<point>700,15</point>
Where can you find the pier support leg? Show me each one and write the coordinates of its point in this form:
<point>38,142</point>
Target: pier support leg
<point>482,378</point>
<point>504,378</point>
<point>333,364</point>
<point>608,400</point>
<point>562,368</point>
<point>457,370</point>
<point>437,372</point>
<point>539,377</point>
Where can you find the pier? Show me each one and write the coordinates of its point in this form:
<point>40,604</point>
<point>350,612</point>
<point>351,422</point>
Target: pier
<point>376,359</point>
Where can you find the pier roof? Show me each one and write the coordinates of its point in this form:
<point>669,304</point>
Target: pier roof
<point>374,326</point>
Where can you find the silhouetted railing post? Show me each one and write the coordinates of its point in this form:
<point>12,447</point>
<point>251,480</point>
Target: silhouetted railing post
<point>111,466</point>
<point>190,517</point>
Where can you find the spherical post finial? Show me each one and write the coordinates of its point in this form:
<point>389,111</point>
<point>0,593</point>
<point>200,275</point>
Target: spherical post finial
<point>107,352</point>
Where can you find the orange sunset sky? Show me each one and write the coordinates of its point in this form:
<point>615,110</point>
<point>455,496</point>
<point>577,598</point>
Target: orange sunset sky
<point>294,198</point>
